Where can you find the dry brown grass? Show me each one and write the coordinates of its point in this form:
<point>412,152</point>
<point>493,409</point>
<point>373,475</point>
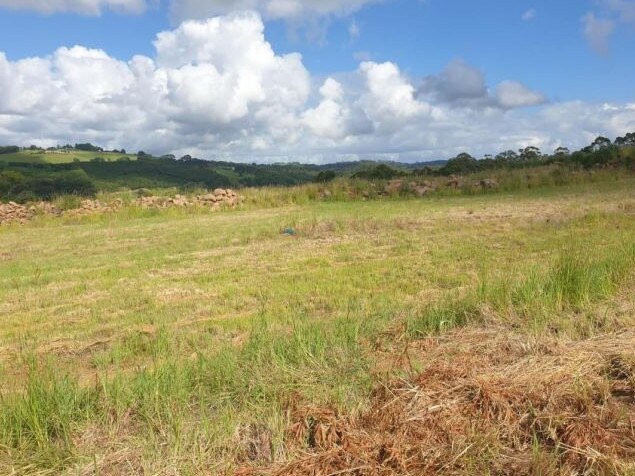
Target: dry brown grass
<point>484,402</point>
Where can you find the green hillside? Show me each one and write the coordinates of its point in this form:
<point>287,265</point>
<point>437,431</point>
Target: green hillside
<point>60,157</point>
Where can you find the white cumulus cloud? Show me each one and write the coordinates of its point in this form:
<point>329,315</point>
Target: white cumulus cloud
<point>216,88</point>
<point>390,95</point>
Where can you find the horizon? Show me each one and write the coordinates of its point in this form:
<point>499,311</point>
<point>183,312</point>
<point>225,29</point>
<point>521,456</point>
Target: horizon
<point>123,151</point>
<point>316,82</point>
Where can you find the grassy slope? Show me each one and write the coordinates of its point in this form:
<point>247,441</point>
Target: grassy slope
<point>28,156</point>
<point>175,328</point>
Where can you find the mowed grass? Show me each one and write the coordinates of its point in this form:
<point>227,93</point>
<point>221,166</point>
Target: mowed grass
<point>143,342</point>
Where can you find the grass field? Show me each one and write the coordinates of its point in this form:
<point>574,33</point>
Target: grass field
<point>189,342</point>
<point>59,157</point>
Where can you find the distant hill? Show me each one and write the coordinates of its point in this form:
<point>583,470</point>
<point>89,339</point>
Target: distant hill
<point>34,174</point>
<point>60,156</point>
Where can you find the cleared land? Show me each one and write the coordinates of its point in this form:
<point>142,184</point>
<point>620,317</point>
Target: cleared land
<point>452,335</point>
<point>60,157</point>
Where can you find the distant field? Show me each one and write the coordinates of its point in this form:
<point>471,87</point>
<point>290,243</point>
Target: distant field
<point>486,334</point>
<point>58,157</point>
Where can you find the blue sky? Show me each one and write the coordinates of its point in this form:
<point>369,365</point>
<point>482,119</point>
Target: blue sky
<point>408,78</point>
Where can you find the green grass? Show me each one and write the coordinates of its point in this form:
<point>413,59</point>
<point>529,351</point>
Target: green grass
<point>148,338</point>
<point>59,157</point>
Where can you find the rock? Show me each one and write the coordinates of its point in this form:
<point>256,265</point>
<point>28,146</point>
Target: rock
<point>489,183</point>
<point>15,213</point>
<point>394,186</point>
<point>422,190</point>
<point>454,182</point>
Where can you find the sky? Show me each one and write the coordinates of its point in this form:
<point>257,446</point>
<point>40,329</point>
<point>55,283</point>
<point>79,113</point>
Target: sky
<point>316,80</point>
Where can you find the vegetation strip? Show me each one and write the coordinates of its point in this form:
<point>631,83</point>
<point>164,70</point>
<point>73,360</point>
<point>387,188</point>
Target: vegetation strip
<point>468,334</point>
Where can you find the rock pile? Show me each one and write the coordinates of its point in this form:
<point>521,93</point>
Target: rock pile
<point>45,208</point>
<point>418,188</point>
<point>488,183</point>
<point>220,197</point>
<point>15,213</point>
<point>91,207</point>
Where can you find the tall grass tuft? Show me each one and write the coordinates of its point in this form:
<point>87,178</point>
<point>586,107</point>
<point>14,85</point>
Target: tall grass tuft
<point>575,279</point>
<point>39,422</point>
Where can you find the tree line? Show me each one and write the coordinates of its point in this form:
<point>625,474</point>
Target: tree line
<point>42,181</point>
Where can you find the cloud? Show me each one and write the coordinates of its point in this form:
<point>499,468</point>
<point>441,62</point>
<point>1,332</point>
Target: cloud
<point>529,14</point>
<point>362,56</point>
<point>87,7</point>
<point>218,81</point>
<point>463,85</point>
<point>329,119</point>
<point>390,94</point>
<point>598,32</point>
<point>196,9</point>
<point>354,30</point>
<point>625,9</point>
<point>458,81</point>
<point>600,25</point>
<point>511,94</point>
<point>216,88</point>
<point>271,9</point>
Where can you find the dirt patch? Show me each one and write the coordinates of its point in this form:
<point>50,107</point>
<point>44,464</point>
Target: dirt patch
<point>499,405</point>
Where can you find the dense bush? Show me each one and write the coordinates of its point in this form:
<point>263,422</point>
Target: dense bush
<point>17,186</point>
<point>325,176</point>
<point>9,149</point>
<point>379,172</point>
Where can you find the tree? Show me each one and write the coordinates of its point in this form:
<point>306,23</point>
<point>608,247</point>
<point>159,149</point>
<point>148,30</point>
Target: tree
<point>561,151</point>
<point>325,176</point>
<point>380,172</point>
<point>506,157</point>
<point>461,164</point>
<point>9,149</point>
<point>598,144</point>
<point>530,153</point>
<point>88,147</point>
<point>627,141</point>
